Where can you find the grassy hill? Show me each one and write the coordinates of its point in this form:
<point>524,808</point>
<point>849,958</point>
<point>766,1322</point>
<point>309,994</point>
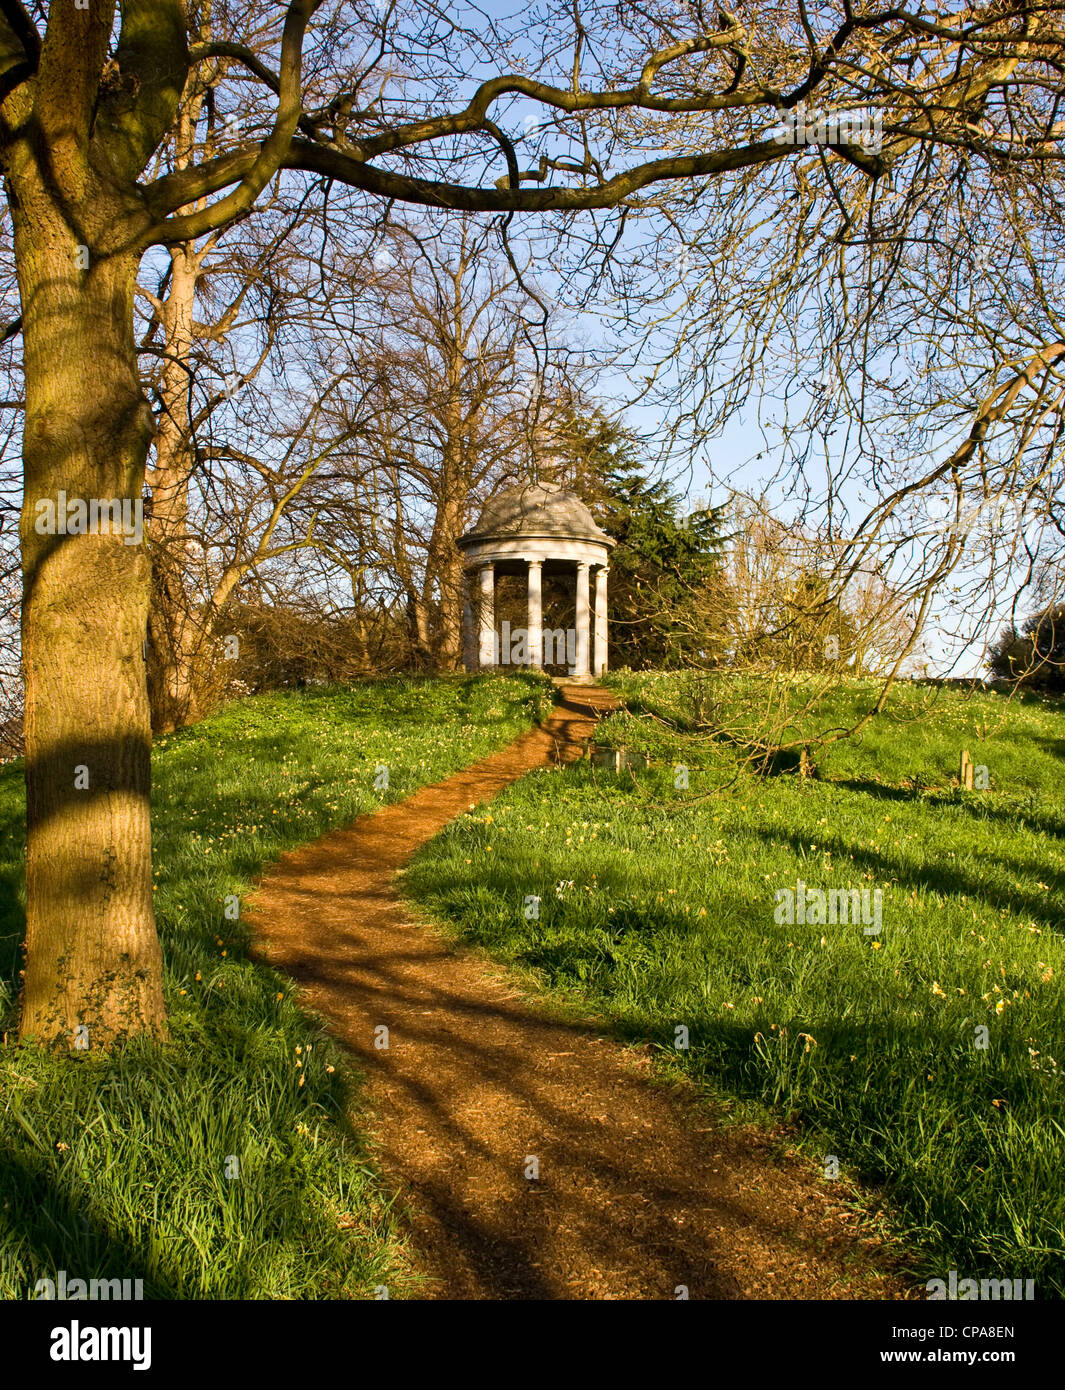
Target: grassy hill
<point>925,1057</point>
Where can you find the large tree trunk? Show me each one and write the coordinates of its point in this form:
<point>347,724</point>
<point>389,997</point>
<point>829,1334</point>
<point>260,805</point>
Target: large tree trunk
<point>93,955</point>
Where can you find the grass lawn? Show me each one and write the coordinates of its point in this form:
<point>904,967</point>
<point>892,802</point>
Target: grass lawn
<point>927,1057</point>
<point>222,1164</point>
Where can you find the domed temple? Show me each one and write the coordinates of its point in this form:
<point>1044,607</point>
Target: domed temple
<point>533,530</point>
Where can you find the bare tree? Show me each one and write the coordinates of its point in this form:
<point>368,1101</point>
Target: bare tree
<point>456,370</point>
<point>895,341</point>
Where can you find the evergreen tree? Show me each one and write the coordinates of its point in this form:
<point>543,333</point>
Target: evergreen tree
<point>1036,654</point>
<point>665,572</point>
<point>667,592</point>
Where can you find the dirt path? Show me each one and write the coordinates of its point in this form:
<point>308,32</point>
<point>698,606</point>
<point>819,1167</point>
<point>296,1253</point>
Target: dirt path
<point>638,1193</point>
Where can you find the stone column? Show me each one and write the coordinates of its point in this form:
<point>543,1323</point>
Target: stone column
<point>584,619</point>
<point>599,664</point>
<point>486,648</point>
<point>535,621</point>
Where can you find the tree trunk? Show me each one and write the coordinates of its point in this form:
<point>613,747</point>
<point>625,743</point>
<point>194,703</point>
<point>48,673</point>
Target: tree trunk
<point>175,642</point>
<point>176,634</point>
<point>94,965</point>
<point>444,560</point>
<point>419,630</point>
<point>449,649</point>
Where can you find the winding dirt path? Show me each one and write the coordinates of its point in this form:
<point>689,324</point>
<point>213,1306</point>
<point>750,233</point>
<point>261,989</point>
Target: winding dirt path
<point>638,1191</point>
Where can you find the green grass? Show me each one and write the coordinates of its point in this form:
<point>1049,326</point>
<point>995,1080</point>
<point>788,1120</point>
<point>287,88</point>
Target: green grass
<point>116,1166</point>
<point>658,909</point>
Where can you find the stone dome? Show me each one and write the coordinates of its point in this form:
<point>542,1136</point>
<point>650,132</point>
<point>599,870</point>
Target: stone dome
<point>542,510</point>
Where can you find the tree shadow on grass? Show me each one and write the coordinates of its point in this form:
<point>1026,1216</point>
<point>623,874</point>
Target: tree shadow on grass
<point>54,1230</point>
<point>978,806</point>
<point>947,880</point>
<point>1054,746</point>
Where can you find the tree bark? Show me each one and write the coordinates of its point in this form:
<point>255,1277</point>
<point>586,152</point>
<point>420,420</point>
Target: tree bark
<point>445,568</point>
<point>444,561</point>
<point>94,964</point>
<point>175,628</point>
